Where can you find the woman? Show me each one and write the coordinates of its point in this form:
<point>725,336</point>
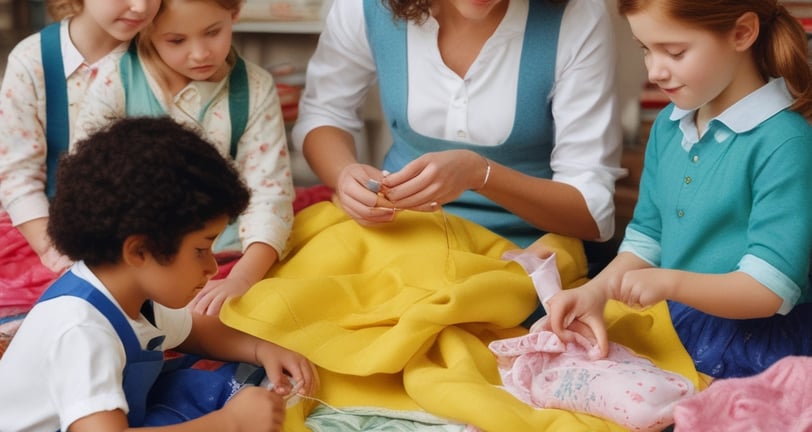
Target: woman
<point>504,112</point>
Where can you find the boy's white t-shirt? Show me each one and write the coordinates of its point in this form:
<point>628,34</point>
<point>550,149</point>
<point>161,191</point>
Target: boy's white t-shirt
<point>66,360</point>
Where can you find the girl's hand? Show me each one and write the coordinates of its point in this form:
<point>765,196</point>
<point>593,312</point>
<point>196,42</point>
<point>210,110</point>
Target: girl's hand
<point>434,179</point>
<point>279,363</point>
<point>35,232</point>
<point>579,311</point>
<point>55,261</point>
<point>210,299</point>
<point>366,206</point>
<point>646,287</point>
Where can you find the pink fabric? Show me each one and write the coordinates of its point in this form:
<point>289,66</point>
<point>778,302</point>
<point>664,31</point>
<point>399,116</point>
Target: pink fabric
<point>541,370</point>
<point>543,272</point>
<point>778,399</point>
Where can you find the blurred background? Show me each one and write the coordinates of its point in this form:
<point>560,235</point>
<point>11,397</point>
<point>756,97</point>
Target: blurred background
<point>18,18</point>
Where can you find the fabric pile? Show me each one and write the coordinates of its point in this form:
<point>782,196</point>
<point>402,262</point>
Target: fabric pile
<point>399,317</point>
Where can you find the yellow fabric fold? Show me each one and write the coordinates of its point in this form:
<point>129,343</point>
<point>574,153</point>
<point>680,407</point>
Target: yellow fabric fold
<point>400,316</point>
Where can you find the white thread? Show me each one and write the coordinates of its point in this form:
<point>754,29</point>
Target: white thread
<point>324,403</point>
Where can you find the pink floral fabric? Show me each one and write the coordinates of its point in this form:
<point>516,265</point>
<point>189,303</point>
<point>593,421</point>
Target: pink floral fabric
<point>541,370</point>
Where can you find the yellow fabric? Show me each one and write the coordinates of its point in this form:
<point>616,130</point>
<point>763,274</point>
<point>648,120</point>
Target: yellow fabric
<point>399,317</point>
<point>649,333</point>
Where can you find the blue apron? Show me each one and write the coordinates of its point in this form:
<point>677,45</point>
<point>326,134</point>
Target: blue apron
<point>142,367</point>
<point>528,147</point>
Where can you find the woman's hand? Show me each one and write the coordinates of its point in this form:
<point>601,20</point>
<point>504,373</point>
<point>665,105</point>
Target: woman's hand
<point>366,206</point>
<point>435,178</point>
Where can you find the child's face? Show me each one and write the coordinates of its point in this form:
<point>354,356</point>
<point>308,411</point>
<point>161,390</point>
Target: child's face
<point>175,284</point>
<point>691,65</point>
<point>193,38</point>
<point>122,19</point>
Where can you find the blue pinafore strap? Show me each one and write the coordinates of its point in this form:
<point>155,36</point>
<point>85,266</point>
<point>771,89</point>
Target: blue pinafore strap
<point>141,101</point>
<point>57,127</point>
<point>142,367</point>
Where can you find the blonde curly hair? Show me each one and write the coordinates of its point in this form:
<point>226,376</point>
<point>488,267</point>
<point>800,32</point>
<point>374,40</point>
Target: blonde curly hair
<point>59,9</point>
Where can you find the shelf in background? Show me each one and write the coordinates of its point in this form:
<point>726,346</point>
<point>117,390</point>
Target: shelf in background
<point>290,27</point>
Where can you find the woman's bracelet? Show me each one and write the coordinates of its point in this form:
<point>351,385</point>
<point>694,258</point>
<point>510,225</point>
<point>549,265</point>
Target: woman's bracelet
<point>487,174</point>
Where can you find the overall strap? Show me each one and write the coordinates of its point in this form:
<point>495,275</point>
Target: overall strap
<point>142,366</point>
<point>238,98</point>
<point>72,285</point>
<point>57,127</point>
<point>388,42</point>
<point>537,69</point>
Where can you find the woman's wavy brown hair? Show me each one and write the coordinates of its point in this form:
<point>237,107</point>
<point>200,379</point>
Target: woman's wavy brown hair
<point>781,49</point>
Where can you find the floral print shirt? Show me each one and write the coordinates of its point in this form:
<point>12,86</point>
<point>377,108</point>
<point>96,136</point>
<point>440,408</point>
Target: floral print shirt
<point>22,121</point>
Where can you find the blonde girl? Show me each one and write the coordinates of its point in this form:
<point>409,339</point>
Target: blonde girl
<point>45,82</point>
<point>186,67</point>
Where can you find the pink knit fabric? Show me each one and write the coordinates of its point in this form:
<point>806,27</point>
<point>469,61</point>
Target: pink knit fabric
<point>778,399</point>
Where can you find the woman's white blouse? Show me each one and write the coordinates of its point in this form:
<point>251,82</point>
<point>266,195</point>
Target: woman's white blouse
<point>479,108</point>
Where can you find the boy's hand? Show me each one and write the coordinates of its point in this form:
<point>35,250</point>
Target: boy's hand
<point>255,409</point>
<point>281,363</point>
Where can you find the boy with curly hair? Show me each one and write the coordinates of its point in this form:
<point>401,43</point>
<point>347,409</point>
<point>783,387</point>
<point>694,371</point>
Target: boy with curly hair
<point>137,208</point>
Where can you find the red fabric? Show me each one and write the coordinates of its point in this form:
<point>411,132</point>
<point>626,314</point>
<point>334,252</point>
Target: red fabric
<point>22,276</point>
<point>306,196</point>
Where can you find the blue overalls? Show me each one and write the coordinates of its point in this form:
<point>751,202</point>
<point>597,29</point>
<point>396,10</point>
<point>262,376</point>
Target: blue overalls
<point>159,393</point>
<point>142,367</point>
<point>528,147</point>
